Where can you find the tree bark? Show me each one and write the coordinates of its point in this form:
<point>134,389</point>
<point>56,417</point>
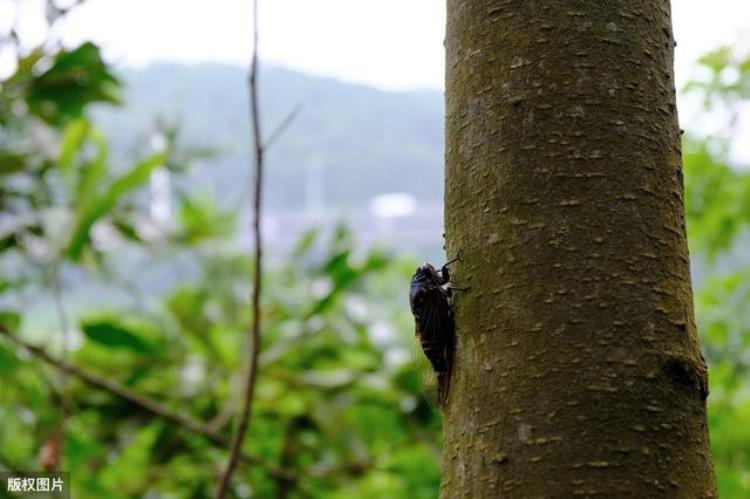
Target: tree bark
<point>578,369</point>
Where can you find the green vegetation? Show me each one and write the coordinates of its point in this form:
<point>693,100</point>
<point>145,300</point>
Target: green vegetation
<point>340,411</point>
<point>718,210</point>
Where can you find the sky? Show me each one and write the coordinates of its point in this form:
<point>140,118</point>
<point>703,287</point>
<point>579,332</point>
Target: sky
<point>390,44</point>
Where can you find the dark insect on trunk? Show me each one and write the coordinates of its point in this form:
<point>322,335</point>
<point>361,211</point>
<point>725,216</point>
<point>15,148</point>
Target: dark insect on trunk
<point>429,297</point>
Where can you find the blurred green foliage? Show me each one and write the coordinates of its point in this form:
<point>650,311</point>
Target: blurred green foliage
<point>339,412</point>
<point>718,213</point>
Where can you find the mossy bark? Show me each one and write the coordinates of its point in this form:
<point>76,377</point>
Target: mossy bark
<point>578,369</point>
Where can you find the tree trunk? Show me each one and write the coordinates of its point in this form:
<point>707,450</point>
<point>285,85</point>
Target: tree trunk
<point>578,369</point>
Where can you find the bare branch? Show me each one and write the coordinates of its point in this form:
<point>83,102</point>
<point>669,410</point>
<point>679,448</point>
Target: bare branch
<point>281,128</point>
<point>146,403</point>
<point>53,458</point>
<point>252,371</point>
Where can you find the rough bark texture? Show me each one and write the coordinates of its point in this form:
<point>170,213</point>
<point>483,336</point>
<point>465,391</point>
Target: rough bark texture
<point>578,369</point>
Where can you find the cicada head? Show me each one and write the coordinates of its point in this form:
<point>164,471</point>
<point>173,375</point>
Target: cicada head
<point>426,271</point>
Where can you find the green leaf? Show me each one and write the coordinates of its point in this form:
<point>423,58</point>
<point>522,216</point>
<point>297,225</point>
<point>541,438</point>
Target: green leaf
<point>75,79</point>
<point>305,243</point>
<point>338,263</point>
<point>200,219</point>
<point>114,335</point>
<point>717,59</point>
<point>10,320</point>
<point>94,210</point>
<point>7,242</point>
<point>186,306</point>
<point>8,360</point>
<point>94,171</point>
<point>127,230</point>
<point>74,136</point>
<point>376,260</point>
<point>11,163</point>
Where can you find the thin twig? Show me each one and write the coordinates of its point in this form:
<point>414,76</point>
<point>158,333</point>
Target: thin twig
<point>144,402</point>
<point>271,140</point>
<point>56,445</point>
<point>281,128</point>
<point>252,370</point>
<point>5,466</point>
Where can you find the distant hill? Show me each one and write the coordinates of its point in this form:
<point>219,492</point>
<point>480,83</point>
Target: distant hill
<point>348,143</point>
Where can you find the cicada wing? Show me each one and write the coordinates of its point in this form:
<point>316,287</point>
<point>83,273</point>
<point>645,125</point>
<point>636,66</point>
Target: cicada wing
<point>426,375</point>
<point>436,331</point>
<point>433,343</point>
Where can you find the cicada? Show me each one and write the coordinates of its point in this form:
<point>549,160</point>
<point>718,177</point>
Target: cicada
<point>430,301</point>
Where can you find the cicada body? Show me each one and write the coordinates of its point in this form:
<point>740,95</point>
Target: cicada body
<point>429,298</point>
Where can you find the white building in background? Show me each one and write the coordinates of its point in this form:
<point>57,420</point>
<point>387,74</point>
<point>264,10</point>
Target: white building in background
<point>388,207</point>
<point>160,202</point>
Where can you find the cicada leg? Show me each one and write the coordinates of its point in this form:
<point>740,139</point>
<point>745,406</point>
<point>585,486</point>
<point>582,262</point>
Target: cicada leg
<point>444,273</point>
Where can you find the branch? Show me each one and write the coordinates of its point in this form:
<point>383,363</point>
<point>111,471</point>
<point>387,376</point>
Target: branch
<point>53,458</point>
<point>252,371</point>
<point>146,403</point>
<point>281,128</point>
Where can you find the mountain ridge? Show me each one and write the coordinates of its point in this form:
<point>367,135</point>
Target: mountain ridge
<point>349,142</point>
